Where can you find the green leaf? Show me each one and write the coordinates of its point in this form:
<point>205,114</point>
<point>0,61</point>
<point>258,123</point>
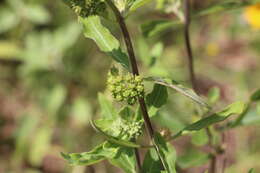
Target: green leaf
<point>255,96</point>
<point>127,113</point>
<point>235,108</point>
<point>99,153</point>
<point>94,30</point>
<point>114,139</point>
<point>156,99</point>
<point>167,153</point>
<point>8,20</point>
<point>137,4</point>
<point>213,95</point>
<point>125,159</point>
<point>227,5</point>
<point>251,170</point>
<point>40,145</point>
<point>107,109</point>
<point>81,112</point>
<point>181,89</point>
<point>36,14</point>
<point>151,162</point>
<point>192,158</point>
<point>200,138</point>
<point>152,28</point>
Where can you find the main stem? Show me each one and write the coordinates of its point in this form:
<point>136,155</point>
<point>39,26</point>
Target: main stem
<point>135,71</point>
<point>188,45</point>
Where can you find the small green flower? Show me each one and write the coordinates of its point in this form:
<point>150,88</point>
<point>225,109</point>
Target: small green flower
<point>85,8</point>
<point>131,130</point>
<point>125,87</point>
<point>119,98</point>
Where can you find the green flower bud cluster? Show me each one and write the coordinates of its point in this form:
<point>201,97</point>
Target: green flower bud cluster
<point>131,130</point>
<point>125,88</point>
<point>85,8</point>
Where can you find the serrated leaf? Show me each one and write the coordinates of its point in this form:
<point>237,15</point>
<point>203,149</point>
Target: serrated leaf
<point>107,109</point>
<point>99,153</point>
<point>125,160</point>
<point>235,108</point>
<point>156,99</point>
<point>94,30</point>
<point>181,89</point>
<point>255,96</point>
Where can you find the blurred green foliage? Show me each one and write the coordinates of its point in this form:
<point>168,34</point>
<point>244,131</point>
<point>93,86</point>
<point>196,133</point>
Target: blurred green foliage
<point>51,76</point>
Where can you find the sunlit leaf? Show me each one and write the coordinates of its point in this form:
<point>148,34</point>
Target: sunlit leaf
<point>94,30</point>
<point>235,108</point>
<point>137,4</point>
<point>181,89</point>
<point>99,153</point>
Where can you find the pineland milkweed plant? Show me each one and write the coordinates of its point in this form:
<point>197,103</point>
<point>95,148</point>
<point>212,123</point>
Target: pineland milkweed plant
<point>123,128</point>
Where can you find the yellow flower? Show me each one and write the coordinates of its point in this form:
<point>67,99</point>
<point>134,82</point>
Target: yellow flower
<point>252,15</point>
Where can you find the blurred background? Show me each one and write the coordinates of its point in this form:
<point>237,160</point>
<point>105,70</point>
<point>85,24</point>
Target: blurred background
<point>50,76</point>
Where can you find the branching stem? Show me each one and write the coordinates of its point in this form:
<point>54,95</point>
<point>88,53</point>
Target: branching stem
<point>135,71</point>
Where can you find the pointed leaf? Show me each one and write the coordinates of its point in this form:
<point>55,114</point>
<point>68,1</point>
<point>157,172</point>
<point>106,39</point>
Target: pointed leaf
<point>101,152</point>
<point>235,108</point>
<point>137,4</point>
<point>94,30</point>
<point>181,89</point>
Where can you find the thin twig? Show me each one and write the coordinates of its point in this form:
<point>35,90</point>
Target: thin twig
<point>135,71</point>
<point>213,168</point>
<point>187,22</point>
<point>138,160</point>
